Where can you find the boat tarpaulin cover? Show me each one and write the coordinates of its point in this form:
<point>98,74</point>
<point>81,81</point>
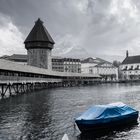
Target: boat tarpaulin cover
<point>106,112</point>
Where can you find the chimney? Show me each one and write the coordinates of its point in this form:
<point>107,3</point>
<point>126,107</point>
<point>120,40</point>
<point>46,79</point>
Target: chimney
<point>127,54</point>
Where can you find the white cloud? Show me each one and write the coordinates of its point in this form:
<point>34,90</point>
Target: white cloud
<point>124,9</point>
<point>11,39</point>
<point>101,27</point>
<point>82,6</point>
<point>66,44</point>
<point>114,27</point>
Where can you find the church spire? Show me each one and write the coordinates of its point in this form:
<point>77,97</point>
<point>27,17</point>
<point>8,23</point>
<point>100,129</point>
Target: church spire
<point>127,54</point>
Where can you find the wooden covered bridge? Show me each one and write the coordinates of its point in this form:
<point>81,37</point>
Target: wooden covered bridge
<point>19,78</point>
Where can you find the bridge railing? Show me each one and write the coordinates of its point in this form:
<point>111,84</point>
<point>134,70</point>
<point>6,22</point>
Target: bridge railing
<point>17,79</point>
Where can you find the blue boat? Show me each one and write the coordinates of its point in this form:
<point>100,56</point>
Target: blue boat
<point>106,117</point>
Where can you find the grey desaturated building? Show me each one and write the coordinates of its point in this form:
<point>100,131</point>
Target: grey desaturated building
<point>99,66</point>
<point>58,63</point>
<point>19,58</point>
<point>130,67</point>
<point>72,65</point>
<point>61,64</point>
<point>39,44</point>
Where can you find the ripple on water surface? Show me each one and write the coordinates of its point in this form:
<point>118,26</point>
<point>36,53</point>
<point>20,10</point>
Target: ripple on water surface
<point>48,114</point>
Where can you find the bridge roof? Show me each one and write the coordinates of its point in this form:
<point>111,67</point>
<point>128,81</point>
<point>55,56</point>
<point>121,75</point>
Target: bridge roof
<point>14,66</point>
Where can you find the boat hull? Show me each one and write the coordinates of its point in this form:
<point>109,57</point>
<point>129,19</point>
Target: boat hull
<point>107,126</point>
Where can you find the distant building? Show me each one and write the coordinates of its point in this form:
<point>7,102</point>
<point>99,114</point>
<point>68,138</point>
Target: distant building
<point>107,70</point>
<point>66,65</point>
<point>87,63</point>
<point>130,67</point>
<point>101,67</point>
<point>58,63</point>
<point>39,44</point>
<point>20,58</point>
<point>72,65</point>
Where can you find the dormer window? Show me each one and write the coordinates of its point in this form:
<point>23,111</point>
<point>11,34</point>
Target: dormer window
<point>90,71</point>
<point>125,68</point>
<point>137,68</point>
<point>131,68</point>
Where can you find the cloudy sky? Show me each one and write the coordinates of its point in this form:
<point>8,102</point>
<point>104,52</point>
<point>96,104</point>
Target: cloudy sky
<point>97,28</point>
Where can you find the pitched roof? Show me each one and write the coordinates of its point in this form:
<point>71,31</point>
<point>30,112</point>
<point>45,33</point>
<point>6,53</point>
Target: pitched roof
<point>105,62</point>
<point>13,66</point>
<point>93,60</point>
<point>4,57</point>
<point>131,59</point>
<point>102,63</point>
<point>16,57</point>
<point>39,33</point>
<point>89,60</point>
<point>100,60</point>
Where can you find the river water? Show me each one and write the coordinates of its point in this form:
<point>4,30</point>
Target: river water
<point>48,114</point>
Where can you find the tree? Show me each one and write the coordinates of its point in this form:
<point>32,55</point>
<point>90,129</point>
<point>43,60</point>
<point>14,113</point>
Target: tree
<point>116,63</point>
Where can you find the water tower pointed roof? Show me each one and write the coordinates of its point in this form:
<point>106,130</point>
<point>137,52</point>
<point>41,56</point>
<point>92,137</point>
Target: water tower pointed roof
<point>39,34</point>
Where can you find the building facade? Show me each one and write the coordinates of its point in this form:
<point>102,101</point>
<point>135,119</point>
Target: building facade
<point>39,45</point>
<point>19,58</point>
<point>87,63</point>
<point>72,65</point>
<point>130,68</point>
<point>57,64</point>
<point>66,65</point>
<point>105,69</point>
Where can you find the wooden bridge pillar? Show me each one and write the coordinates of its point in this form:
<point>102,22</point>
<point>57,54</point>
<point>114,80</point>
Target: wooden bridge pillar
<point>2,90</point>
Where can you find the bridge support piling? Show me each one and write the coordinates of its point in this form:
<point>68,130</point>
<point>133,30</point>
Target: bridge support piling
<point>2,90</point>
<point>20,87</point>
<point>10,92</point>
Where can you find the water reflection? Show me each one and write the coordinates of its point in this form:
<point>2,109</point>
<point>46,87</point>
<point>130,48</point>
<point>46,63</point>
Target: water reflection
<point>48,114</point>
<point>37,117</point>
<point>108,134</point>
